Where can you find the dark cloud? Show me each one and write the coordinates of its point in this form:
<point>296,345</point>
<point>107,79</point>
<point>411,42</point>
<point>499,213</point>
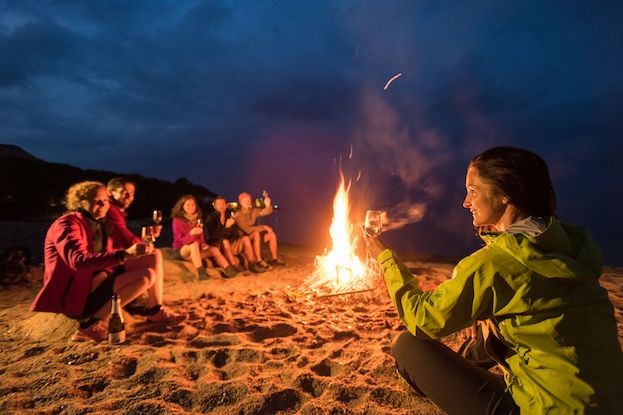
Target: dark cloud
<point>32,49</point>
<point>251,94</point>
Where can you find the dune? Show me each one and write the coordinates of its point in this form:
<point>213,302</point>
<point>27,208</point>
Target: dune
<point>254,344</point>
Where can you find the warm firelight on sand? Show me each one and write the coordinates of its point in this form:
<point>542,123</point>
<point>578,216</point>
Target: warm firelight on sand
<point>341,271</point>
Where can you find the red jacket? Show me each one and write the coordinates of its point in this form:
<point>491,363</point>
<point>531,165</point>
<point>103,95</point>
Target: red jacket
<point>182,235</point>
<point>69,264</point>
<point>121,236</point>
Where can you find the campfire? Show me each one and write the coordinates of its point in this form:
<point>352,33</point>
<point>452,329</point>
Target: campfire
<point>340,270</point>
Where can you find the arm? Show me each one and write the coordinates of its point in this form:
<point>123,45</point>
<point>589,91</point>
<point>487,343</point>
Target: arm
<point>453,305</point>
<point>120,232</point>
<point>246,223</point>
<point>181,232</point>
<point>72,246</point>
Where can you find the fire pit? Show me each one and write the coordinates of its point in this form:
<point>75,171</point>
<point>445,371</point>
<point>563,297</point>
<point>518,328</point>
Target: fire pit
<point>340,271</point>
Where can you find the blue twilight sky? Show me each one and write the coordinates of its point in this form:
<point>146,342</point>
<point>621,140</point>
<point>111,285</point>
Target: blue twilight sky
<point>252,95</point>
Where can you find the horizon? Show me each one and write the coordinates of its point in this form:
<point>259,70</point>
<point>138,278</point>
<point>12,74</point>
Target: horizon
<point>277,96</point>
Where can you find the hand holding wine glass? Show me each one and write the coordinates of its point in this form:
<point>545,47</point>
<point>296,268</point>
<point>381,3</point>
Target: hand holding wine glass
<point>157,217</point>
<point>147,235</point>
<point>373,224</point>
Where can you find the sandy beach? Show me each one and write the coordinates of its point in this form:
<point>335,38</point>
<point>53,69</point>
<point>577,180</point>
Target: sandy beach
<point>254,344</point>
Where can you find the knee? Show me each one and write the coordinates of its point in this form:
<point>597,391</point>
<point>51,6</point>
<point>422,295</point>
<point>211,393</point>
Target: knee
<point>406,347</point>
<point>149,278</point>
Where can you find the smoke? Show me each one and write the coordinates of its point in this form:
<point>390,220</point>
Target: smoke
<point>401,161</point>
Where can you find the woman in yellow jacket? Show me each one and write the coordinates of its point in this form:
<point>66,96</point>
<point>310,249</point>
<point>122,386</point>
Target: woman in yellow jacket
<point>534,289</point>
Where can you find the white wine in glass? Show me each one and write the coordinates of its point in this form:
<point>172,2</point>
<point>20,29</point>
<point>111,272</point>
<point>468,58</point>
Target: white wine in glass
<point>156,216</point>
<point>373,224</point>
<point>147,234</point>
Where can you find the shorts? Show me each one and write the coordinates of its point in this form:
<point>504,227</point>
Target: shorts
<point>237,246</point>
<point>102,294</point>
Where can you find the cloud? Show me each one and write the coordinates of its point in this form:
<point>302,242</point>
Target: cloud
<point>35,48</point>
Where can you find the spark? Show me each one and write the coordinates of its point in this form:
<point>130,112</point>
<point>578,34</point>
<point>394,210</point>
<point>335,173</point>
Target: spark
<point>392,79</point>
<point>350,155</point>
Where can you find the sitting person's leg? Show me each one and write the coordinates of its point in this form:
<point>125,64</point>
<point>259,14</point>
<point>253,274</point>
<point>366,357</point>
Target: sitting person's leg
<point>228,253</point>
<point>155,312</point>
<point>127,285</point>
<point>228,270</point>
<point>244,246</point>
<point>453,383</point>
<point>256,240</point>
<point>271,239</point>
<point>192,252</point>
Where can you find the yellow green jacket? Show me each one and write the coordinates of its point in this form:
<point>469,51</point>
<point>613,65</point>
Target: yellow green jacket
<point>543,296</point>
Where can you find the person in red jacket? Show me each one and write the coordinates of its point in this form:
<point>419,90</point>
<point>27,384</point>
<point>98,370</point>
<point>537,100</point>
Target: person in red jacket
<point>189,240</point>
<point>82,270</point>
<point>121,195</point>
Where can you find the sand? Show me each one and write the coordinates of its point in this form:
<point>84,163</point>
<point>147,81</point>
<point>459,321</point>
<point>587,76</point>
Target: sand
<point>250,345</point>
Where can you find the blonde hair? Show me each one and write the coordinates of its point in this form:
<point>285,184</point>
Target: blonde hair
<point>80,192</point>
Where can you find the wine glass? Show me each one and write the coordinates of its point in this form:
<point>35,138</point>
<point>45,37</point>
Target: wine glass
<point>147,234</point>
<point>157,217</point>
<point>199,223</point>
<point>373,224</point>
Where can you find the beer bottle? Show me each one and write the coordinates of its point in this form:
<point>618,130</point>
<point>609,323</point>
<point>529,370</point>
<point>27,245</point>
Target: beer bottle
<point>116,328</point>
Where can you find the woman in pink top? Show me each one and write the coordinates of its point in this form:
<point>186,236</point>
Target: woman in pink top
<point>188,237</point>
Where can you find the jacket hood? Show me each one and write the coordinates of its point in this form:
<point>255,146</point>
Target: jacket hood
<point>561,251</point>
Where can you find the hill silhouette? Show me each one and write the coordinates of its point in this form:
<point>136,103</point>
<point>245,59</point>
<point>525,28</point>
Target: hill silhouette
<point>35,189</point>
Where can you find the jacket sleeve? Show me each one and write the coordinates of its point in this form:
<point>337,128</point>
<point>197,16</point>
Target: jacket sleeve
<point>181,232</point>
<point>454,305</point>
<point>120,233</point>
<point>73,249</point>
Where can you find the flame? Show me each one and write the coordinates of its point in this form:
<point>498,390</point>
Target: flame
<point>340,270</point>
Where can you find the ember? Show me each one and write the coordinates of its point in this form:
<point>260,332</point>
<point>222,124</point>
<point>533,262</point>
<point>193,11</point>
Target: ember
<point>340,271</point>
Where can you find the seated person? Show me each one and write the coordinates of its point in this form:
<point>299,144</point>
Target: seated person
<point>245,219</point>
<point>82,270</point>
<point>121,195</point>
<point>188,238</point>
<point>224,233</point>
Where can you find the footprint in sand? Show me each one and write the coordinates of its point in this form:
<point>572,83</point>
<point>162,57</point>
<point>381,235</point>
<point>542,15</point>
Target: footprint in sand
<point>123,368</point>
<point>327,368</point>
<point>311,385</point>
<point>262,333</point>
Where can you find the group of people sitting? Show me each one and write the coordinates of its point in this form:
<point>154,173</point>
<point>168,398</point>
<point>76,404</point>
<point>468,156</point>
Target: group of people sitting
<point>90,253</point>
<point>233,239</point>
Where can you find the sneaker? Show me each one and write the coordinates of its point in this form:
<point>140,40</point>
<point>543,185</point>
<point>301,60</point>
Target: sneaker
<point>264,265</point>
<point>256,268</point>
<point>166,317</point>
<point>229,272</point>
<point>96,332</point>
<point>277,262</point>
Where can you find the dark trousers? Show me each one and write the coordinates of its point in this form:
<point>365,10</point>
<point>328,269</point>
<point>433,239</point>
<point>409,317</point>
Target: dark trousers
<point>455,384</point>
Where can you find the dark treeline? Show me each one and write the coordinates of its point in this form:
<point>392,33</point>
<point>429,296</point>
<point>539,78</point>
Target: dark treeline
<point>31,188</point>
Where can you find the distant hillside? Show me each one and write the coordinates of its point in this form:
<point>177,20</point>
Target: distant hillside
<point>11,150</point>
<point>33,189</point>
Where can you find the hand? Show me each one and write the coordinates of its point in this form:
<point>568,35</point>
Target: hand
<point>196,231</point>
<point>373,245</point>
<point>156,229</point>
<point>473,331</point>
<point>267,201</point>
<point>268,229</point>
<point>136,249</point>
<point>230,222</point>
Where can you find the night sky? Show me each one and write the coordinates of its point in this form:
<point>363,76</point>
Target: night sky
<point>253,95</point>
